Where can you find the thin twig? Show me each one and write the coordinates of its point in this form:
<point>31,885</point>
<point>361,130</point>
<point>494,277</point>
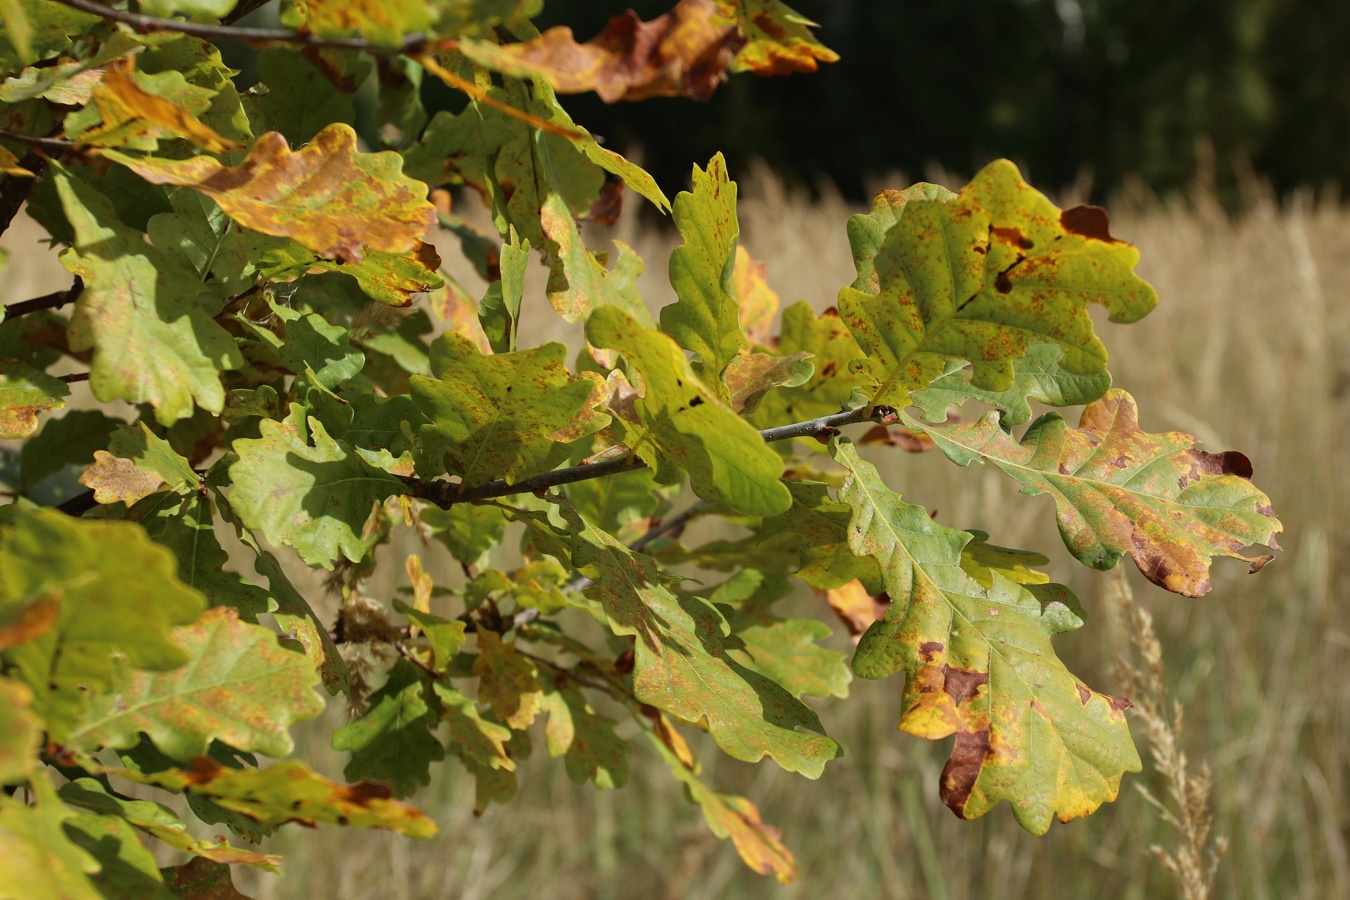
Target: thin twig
<point>143,23</point>
<point>658,529</point>
<point>411,657</point>
<point>446,494</point>
<point>54,300</point>
<point>71,379</point>
<point>50,144</point>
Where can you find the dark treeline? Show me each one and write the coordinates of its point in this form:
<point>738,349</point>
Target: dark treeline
<point>1166,92</point>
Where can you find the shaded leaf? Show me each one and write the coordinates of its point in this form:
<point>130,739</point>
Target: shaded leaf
<point>481,745</point>
<point>706,318</point>
<point>593,752</point>
<point>243,689</point>
<point>978,663</point>
<point>297,98</point>
<point>816,528</point>
<point>499,311</point>
<point>446,636</point>
<point>25,392</point>
<point>201,879</point>
<point>117,594</point>
<point>982,278</point>
<point>750,376</point>
<point>831,385</point>
<point>290,792</point>
<point>684,52</point>
<point>50,26</point>
<point>1158,497</point>
<point>153,339</point>
<point>128,871</point>
<point>394,741</point>
<point>315,498</point>
<point>71,439</point>
<point>682,665</point>
<point>467,531</point>
<point>492,416</point>
<point>507,681</point>
<point>328,196</point>
<point>685,427</point>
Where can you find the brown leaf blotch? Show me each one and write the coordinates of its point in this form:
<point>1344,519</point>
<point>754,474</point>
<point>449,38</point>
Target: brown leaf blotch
<point>1088,221</point>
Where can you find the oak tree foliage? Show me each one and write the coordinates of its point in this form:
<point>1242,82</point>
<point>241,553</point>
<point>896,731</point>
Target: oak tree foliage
<point>281,375</point>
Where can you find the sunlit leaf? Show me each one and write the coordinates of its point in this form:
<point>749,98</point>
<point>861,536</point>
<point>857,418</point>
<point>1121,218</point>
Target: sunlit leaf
<point>831,385</point>
<point>507,681</point>
<point>491,416</point>
<point>982,278</point>
<point>978,663</point>
<point>682,666</point>
<point>586,740</point>
<point>141,312</point>
<point>137,109</point>
<point>314,497</point>
<point>1117,490</point>
<point>40,859</point>
<point>117,595</point>
<point>20,732</point>
<point>685,427</point>
<point>327,195</point>
<point>779,39</point>
<point>706,318</point>
<point>382,22</point>
<point>243,689</point>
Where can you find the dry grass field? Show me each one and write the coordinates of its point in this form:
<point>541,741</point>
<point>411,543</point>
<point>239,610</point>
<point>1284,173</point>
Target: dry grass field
<point>1249,349</point>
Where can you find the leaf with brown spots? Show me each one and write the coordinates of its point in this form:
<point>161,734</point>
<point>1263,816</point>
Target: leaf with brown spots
<point>750,376</point>
<point>757,302</point>
<point>685,52</point>
<point>982,278</point>
<point>243,688</point>
<point>25,392</point>
<point>382,22</point>
<point>779,38</point>
<point>493,416</point>
<point>979,663</point>
<point>1117,490</point>
<point>290,791</point>
<point>507,681</point>
<point>586,740</point>
<point>328,196</point>
<point>116,480</point>
<point>831,386</point>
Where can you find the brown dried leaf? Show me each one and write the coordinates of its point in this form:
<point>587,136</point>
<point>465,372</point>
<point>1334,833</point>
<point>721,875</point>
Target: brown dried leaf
<point>685,52</point>
<point>329,197</point>
<point>115,479</point>
<point>904,438</point>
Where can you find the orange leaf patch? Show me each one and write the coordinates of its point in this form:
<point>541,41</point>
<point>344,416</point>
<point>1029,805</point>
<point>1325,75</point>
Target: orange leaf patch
<point>329,197</point>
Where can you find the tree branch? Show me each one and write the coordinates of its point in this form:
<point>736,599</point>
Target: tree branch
<point>446,494</point>
<point>411,44</point>
<point>54,300</point>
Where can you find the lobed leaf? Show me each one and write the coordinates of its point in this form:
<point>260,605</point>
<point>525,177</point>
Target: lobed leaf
<point>115,594</point>
<point>682,665</point>
<point>394,741</point>
<point>137,109</point>
<point>1117,490</point>
<point>328,196</point>
<point>779,40</point>
<point>706,318</point>
<point>978,663</point>
<point>25,392</point>
<point>587,741</point>
<point>982,278</point>
<point>685,428</point>
<point>494,416</point>
<point>243,688</point>
<point>154,340</point>
<point>40,859</point>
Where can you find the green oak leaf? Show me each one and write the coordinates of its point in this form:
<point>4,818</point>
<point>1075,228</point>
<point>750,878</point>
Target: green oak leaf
<point>706,318</point>
<point>466,530</point>
<point>499,310</point>
<point>296,98</point>
<point>40,859</point>
<point>867,231</point>
<point>394,741</point>
<point>446,636</point>
<point>200,64</point>
<point>127,868</point>
<point>1117,490</point>
<point>816,528</point>
<point>481,745</point>
<point>49,29</point>
<point>685,428</point>
<point>591,750</point>
<point>831,384</point>
<point>579,280</point>
<point>979,663</point>
<point>117,596</point>
<point>25,392</point>
<point>243,688</point>
<point>20,732</point>
<point>141,313</point>
<point>507,681</point>
<point>981,278</point>
<point>494,416</point>
<point>164,9</point>
<point>1036,376</point>
<point>682,665</point>
<point>214,245</point>
<point>154,455</point>
<point>315,498</point>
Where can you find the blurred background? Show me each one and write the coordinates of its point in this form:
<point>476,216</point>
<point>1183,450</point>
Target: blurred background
<point>1217,133</point>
